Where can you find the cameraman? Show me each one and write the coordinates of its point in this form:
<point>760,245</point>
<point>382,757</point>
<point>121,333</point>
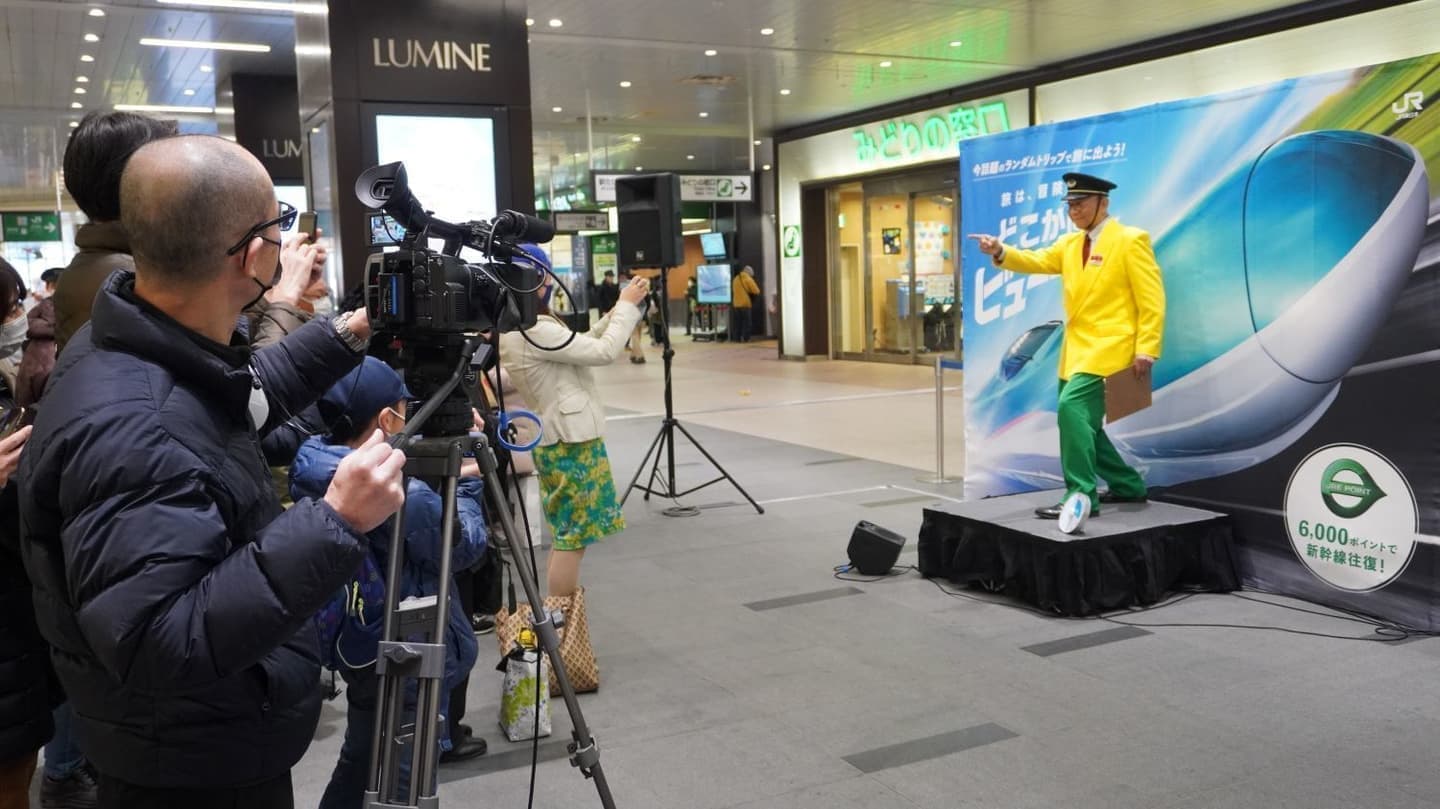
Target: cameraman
<point>174,592</point>
<point>576,484</point>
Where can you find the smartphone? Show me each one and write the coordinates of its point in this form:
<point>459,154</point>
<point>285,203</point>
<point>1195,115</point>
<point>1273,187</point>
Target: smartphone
<point>12,420</point>
<point>306,224</point>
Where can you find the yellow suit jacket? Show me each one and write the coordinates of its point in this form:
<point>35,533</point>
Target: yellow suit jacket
<point>1114,307</point>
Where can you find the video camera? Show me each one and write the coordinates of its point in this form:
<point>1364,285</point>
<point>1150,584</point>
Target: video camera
<point>424,304</point>
<point>416,291</point>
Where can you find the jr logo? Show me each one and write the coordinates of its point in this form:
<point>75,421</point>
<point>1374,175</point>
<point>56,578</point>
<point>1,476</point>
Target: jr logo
<point>1409,105</point>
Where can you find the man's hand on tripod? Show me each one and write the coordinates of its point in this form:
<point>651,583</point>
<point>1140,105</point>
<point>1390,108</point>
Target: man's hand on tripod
<point>369,484</point>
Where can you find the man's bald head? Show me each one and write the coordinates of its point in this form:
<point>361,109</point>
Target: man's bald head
<point>185,200</point>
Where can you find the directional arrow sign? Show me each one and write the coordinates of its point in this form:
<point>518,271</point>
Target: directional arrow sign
<point>693,187</point>
<point>31,227</point>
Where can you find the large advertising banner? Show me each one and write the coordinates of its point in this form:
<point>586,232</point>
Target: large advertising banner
<point>1297,227</point>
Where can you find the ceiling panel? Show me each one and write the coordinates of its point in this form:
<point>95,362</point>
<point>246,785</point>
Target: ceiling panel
<point>830,55</point>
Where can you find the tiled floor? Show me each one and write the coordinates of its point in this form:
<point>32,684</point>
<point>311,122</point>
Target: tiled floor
<point>737,672</point>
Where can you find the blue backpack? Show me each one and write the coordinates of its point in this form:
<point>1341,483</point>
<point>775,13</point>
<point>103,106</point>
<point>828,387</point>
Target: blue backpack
<point>352,622</point>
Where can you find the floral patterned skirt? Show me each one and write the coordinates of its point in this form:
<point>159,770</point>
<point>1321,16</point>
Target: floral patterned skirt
<point>577,492</point>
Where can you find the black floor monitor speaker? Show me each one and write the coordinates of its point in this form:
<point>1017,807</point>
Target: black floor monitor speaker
<point>874,550</point>
<point>650,231</point>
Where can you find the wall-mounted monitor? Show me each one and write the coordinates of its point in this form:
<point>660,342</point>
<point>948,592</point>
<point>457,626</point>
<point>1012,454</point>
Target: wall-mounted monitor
<point>713,245</point>
<point>713,282</point>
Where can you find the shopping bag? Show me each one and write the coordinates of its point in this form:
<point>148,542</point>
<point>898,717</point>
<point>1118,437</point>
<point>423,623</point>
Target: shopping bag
<point>518,707</point>
<point>575,649</point>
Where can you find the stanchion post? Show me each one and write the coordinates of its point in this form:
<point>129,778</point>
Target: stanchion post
<point>939,476</point>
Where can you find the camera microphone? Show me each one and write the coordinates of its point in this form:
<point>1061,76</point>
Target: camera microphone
<point>522,228</point>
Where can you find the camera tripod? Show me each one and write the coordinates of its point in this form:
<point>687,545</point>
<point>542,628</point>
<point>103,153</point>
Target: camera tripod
<point>664,442</point>
<point>400,660</point>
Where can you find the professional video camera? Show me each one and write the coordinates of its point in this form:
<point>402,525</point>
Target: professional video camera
<point>423,303</point>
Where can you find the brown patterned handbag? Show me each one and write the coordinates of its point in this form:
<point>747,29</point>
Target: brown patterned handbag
<point>575,649</point>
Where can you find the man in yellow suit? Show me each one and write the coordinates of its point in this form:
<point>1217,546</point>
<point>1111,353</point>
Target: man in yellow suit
<point>1115,317</point>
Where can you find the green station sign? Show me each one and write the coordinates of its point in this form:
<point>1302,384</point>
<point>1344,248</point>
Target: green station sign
<point>31,227</point>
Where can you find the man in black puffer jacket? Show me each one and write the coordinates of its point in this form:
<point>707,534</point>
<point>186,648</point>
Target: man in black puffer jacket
<point>176,595</point>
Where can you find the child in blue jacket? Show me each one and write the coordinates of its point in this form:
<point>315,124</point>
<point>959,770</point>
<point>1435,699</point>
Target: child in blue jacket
<point>374,397</point>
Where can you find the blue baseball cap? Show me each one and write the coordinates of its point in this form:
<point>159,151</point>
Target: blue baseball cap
<point>361,394</point>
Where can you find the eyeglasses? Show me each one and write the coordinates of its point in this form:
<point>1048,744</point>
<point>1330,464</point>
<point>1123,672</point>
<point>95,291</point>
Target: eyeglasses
<point>285,220</point>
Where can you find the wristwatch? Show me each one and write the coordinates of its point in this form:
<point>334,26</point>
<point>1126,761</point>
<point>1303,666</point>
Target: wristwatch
<point>354,341</point>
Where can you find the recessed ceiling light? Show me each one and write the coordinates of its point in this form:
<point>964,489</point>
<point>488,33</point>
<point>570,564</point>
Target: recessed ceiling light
<point>556,22</point>
<point>246,47</point>
<point>92,37</point>
<point>163,108</point>
<point>252,5</point>
<point>315,129</point>
<point>955,43</point>
<point>689,157</point>
<point>624,84</point>
<point>765,32</point>
<point>704,115</point>
<point>557,109</point>
<point>79,91</point>
<point>639,168</point>
<point>75,105</point>
<point>97,12</point>
<point>711,52</point>
<point>82,79</point>
<point>886,63</point>
<point>189,91</point>
<point>757,143</point>
<point>784,91</point>
<point>529,21</point>
<point>85,57</point>
<point>634,138</point>
<point>74,124</point>
<point>765,167</point>
<point>206,68</point>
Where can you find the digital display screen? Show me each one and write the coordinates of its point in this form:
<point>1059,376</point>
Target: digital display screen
<point>713,245</point>
<point>450,162</point>
<point>713,281</point>
<point>385,231</point>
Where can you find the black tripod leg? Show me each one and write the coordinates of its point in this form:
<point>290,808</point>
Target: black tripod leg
<point>667,439</point>
<point>720,468</point>
<point>641,468</point>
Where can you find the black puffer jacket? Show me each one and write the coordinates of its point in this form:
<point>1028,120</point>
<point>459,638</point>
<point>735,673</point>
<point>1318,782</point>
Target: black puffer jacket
<point>175,594</point>
<point>26,693</point>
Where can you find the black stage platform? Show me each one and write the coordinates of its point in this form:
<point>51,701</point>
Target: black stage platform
<point>1131,554</point>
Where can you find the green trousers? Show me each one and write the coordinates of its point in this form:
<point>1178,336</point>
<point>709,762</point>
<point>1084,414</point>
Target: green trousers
<point>1086,453</point>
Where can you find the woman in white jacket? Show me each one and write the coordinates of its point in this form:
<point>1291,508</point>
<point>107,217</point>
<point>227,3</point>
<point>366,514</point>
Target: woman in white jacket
<point>576,484</point>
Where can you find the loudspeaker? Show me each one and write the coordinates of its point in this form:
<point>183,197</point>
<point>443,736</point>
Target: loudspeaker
<point>650,230</point>
<point>874,550</point>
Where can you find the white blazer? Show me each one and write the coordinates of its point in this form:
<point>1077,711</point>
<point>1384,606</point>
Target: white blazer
<point>559,384</point>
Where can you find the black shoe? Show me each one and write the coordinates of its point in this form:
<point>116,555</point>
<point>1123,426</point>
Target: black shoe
<point>482,624</point>
<point>1049,512</point>
<point>1107,497</point>
<point>76,791</point>
<point>464,750</point>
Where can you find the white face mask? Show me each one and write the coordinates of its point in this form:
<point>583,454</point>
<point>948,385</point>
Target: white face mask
<point>322,305</point>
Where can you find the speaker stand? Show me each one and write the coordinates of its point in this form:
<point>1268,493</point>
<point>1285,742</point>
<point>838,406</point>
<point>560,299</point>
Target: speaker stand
<point>662,482</point>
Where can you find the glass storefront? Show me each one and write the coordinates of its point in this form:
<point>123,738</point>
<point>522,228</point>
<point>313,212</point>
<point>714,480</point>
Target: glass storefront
<point>894,292</point>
